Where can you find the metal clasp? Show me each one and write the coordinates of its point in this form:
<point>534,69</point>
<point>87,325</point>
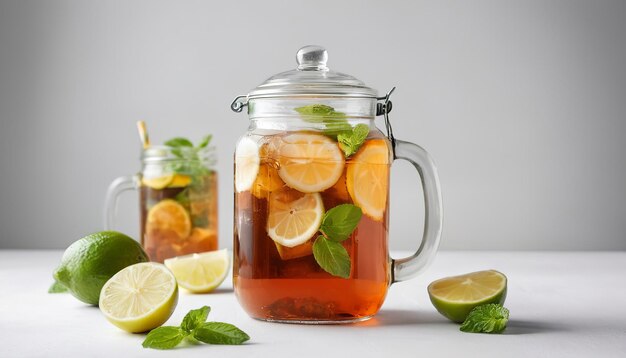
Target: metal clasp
<point>238,103</point>
<point>384,109</point>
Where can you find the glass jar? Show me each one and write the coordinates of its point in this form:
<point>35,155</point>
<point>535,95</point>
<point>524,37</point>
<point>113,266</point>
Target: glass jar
<point>312,198</point>
<point>177,199</point>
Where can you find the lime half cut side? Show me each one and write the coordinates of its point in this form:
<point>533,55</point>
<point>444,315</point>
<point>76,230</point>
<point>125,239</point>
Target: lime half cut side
<point>140,297</point>
<point>454,297</point>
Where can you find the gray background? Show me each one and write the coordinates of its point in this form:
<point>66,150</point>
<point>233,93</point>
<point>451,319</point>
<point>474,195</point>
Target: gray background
<point>521,103</point>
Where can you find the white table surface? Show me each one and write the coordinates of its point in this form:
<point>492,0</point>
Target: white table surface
<point>563,304</point>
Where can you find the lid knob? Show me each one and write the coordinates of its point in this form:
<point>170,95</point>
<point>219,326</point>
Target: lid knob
<point>312,58</point>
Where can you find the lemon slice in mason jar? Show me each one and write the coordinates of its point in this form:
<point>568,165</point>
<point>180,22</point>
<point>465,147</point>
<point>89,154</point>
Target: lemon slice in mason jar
<point>367,178</point>
<point>246,164</point>
<point>309,162</point>
<point>158,183</point>
<point>169,216</point>
<point>140,297</point>
<point>294,217</point>
<point>200,273</point>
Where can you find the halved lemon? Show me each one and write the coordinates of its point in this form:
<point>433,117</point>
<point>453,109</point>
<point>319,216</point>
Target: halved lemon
<point>367,178</point>
<point>454,297</point>
<point>140,297</point>
<point>309,162</point>
<point>201,272</point>
<point>158,182</point>
<point>169,215</point>
<point>246,164</point>
<point>294,217</point>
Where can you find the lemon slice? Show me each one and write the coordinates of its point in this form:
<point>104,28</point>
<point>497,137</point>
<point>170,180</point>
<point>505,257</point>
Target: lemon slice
<point>180,181</point>
<point>140,297</point>
<point>294,217</point>
<point>202,272</point>
<point>367,178</point>
<point>454,297</point>
<point>158,182</point>
<point>169,216</point>
<point>309,163</point>
<point>246,164</point>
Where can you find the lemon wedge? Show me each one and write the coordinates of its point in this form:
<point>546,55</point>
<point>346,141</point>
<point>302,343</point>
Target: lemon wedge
<point>200,273</point>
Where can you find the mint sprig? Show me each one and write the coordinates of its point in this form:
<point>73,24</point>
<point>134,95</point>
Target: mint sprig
<point>489,318</point>
<point>334,122</point>
<point>336,126</point>
<point>350,141</point>
<point>195,328</point>
<point>190,164</point>
<point>195,318</point>
<point>337,225</point>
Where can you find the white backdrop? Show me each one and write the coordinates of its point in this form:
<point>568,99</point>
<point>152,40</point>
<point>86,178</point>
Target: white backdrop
<point>521,103</point>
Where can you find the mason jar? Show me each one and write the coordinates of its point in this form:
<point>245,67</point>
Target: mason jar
<point>311,212</point>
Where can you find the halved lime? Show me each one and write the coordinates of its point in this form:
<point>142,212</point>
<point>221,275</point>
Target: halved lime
<point>140,297</point>
<point>454,297</point>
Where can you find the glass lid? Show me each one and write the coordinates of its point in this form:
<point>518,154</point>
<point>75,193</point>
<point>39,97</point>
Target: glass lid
<point>312,77</point>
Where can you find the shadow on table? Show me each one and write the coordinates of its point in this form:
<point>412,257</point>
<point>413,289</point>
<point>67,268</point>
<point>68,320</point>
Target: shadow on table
<point>390,317</point>
<point>517,327</point>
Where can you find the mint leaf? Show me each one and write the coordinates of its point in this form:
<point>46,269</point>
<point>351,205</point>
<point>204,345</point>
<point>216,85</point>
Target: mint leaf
<point>179,142</point>
<point>350,141</point>
<point>166,337</point>
<point>195,318</point>
<point>319,112</point>
<point>339,222</point>
<point>489,318</point>
<point>220,333</point>
<point>57,287</point>
<point>183,197</point>
<point>334,122</point>
<point>194,328</point>
<point>205,142</point>
<point>332,257</point>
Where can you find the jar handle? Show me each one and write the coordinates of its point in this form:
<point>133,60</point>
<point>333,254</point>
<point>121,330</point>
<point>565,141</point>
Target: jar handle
<point>409,267</point>
<point>117,187</point>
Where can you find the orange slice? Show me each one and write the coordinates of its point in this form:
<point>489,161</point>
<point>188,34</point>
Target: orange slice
<point>367,178</point>
<point>294,217</point>
<point>309,162</point>
<point>169,215</point>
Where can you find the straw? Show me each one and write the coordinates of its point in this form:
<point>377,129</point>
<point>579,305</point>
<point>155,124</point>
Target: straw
<point>143,134</point>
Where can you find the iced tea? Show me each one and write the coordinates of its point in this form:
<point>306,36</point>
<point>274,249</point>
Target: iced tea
<point>301,176</point>
<point>178,215</point>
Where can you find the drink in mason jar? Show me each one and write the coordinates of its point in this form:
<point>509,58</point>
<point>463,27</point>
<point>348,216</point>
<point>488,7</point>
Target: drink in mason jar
<point>311,226</point>
<point>178,214</point>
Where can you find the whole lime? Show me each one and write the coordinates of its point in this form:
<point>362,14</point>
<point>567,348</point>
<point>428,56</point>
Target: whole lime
<point>90,262</point>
